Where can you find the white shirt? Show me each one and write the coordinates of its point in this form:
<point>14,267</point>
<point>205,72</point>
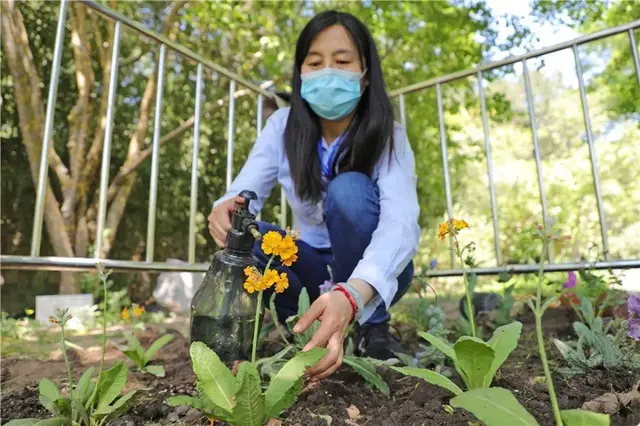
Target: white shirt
<point>394,242</point>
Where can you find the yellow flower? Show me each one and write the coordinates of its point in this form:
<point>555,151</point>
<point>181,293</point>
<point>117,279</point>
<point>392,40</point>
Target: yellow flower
<point>288,251</point>
<point>52,320</point>
<point>271,242</point>
<point>459,224</point>
<point>443,230</point>
<point>451,227</point>
<point>251,285</point>
<point>125,315</point>
<point>253,278</point>
<point>138,311</point>
<point>269,278</point>
<point>283,283</point>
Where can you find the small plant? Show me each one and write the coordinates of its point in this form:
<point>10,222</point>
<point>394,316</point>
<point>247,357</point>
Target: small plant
<point>451,228</point>
<point>87,403</point>
<point>270,366</point>
<point>141,357</point>
<point>475,360</point>
<point>239,399</point>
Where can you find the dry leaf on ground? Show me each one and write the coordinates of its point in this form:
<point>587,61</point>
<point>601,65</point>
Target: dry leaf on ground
<point>612,402</point>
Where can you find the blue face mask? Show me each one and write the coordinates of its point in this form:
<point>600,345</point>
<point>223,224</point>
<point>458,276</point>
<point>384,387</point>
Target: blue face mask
<point>331,93</point>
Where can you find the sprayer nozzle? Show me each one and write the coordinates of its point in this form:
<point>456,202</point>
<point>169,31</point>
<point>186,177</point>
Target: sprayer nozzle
<point>256,234</point>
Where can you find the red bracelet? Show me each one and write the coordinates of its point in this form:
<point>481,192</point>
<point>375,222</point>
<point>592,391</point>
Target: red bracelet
<point>354,305</point>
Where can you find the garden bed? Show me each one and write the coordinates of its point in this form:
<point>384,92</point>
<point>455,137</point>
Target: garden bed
<point>344,397</point>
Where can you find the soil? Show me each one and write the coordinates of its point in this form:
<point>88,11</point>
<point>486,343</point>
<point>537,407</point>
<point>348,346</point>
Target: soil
<point>343,398</point>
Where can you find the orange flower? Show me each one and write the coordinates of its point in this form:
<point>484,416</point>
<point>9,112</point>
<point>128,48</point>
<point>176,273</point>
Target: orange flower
<point>138,310</point>
<point>451,227</point>
<point>125,315</point>
<point>282,283</point>
<point>443,230</point>
<point>271,243</point>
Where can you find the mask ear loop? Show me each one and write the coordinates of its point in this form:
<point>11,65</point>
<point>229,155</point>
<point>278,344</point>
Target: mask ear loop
<point>364,83</point>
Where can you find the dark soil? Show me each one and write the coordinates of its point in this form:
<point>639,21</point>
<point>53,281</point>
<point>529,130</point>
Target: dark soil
<point>344,397</point>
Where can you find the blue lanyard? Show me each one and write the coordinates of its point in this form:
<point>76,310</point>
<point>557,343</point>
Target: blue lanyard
<point>327,170</point>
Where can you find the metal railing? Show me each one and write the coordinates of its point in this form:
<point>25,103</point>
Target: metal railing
<point>522,59</point>
<point>35,261</point>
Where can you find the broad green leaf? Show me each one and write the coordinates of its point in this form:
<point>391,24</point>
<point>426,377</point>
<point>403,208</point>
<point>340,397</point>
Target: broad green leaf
<point>368,372</point>
<point>250,405</point>
<point>49,393</point>
<point>303,306</point>
<point>286,379</point>
<point>587,310</point>
<point>78,407</point>
<point>430,376</point>
<point>63,406</point>
<point>134,356</point>
<point>134,345</point>
<point>584,418</point>
<point>119,404</point>
<point>56,421</point>
<point>442,345</point>
<point>274,315</point>
<point>158,344</point>
<point>156,370</point>
<point>113,380</point>
<point>503,342</point>
<point>475,358</point>
<point>200,403</point>
<point>215,379</point>
<point>22,422</point>
<point>494,407</point>
<point>82,392</point>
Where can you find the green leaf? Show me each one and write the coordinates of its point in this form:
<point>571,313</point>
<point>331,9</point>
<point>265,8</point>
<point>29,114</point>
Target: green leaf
<point>82,392</point>
<point>430,376</point>
<point>56,421</point>
<point>158,344</point>
<point>200,403</point>
<point>439,343</point>
<point>63,406</point>
<point>368,372</point>
<point>135,357</point>
<point>250,402</point>
<point>119,404</point>
<point>475,358</point>
<point>78,407</point>
<point>494,406</point>
<point>303,306</point>
<point>587,310</point>
<point>22,422</point>
<point>113,380</point>
<point>215,380</point>
<point>584,418</point>
<point>156,370</point>
<point>135,346</point>
<point>274,315</point>
<point>289,377</point>
<point>503,342</point>
<point>49,393</point>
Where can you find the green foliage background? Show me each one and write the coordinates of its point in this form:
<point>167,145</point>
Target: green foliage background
<point>417,41</point>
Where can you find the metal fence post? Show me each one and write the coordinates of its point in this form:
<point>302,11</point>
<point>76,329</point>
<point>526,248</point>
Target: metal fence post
<point>108,134</point>
<point>592,154</point>
<point>155,156</point>
<point>403,114</point>
<point>445,162</point>
<point>232,107</point>
<point>193,208</point>
<point>536,148</point>
<point>487,150</point>
<point>38,215</point>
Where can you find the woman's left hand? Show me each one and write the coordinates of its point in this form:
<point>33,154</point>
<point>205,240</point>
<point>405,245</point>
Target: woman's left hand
<point>335,312</point>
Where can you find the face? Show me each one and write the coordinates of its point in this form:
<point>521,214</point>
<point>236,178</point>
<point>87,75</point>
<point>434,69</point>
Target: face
<point>332,48</point>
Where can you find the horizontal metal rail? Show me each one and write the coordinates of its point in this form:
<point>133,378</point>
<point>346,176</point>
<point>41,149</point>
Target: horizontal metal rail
<point>88,264</point>
<point>515,59</point>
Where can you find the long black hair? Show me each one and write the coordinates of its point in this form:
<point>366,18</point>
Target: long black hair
<point>370,131</point>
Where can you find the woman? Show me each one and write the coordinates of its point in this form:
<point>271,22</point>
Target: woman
<point>348,172</point>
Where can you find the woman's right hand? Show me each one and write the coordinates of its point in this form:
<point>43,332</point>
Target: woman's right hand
<point>220,219</point>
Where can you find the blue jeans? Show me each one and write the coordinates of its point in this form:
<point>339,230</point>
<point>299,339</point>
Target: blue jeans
<point>352,211</point>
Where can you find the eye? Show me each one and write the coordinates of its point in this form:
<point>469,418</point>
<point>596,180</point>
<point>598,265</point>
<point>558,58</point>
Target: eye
<point>315,64</point>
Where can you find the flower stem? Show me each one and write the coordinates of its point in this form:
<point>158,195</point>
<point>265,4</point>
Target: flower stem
<point>64,353</point>
<point>91,400</point>
<point>467,290</point>
<point>541,349</point>
<point>256,327</point>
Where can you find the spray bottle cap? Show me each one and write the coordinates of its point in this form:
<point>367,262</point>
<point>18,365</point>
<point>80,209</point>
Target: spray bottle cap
<point>244,228</point>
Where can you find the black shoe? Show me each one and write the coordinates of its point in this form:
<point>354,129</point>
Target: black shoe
<point>376,341</point>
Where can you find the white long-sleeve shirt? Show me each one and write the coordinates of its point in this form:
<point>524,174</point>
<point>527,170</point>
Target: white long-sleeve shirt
<point>395,240</point>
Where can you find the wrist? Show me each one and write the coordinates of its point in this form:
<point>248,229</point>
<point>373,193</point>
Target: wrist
<point>364,289</point>
<point>352,300</point>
